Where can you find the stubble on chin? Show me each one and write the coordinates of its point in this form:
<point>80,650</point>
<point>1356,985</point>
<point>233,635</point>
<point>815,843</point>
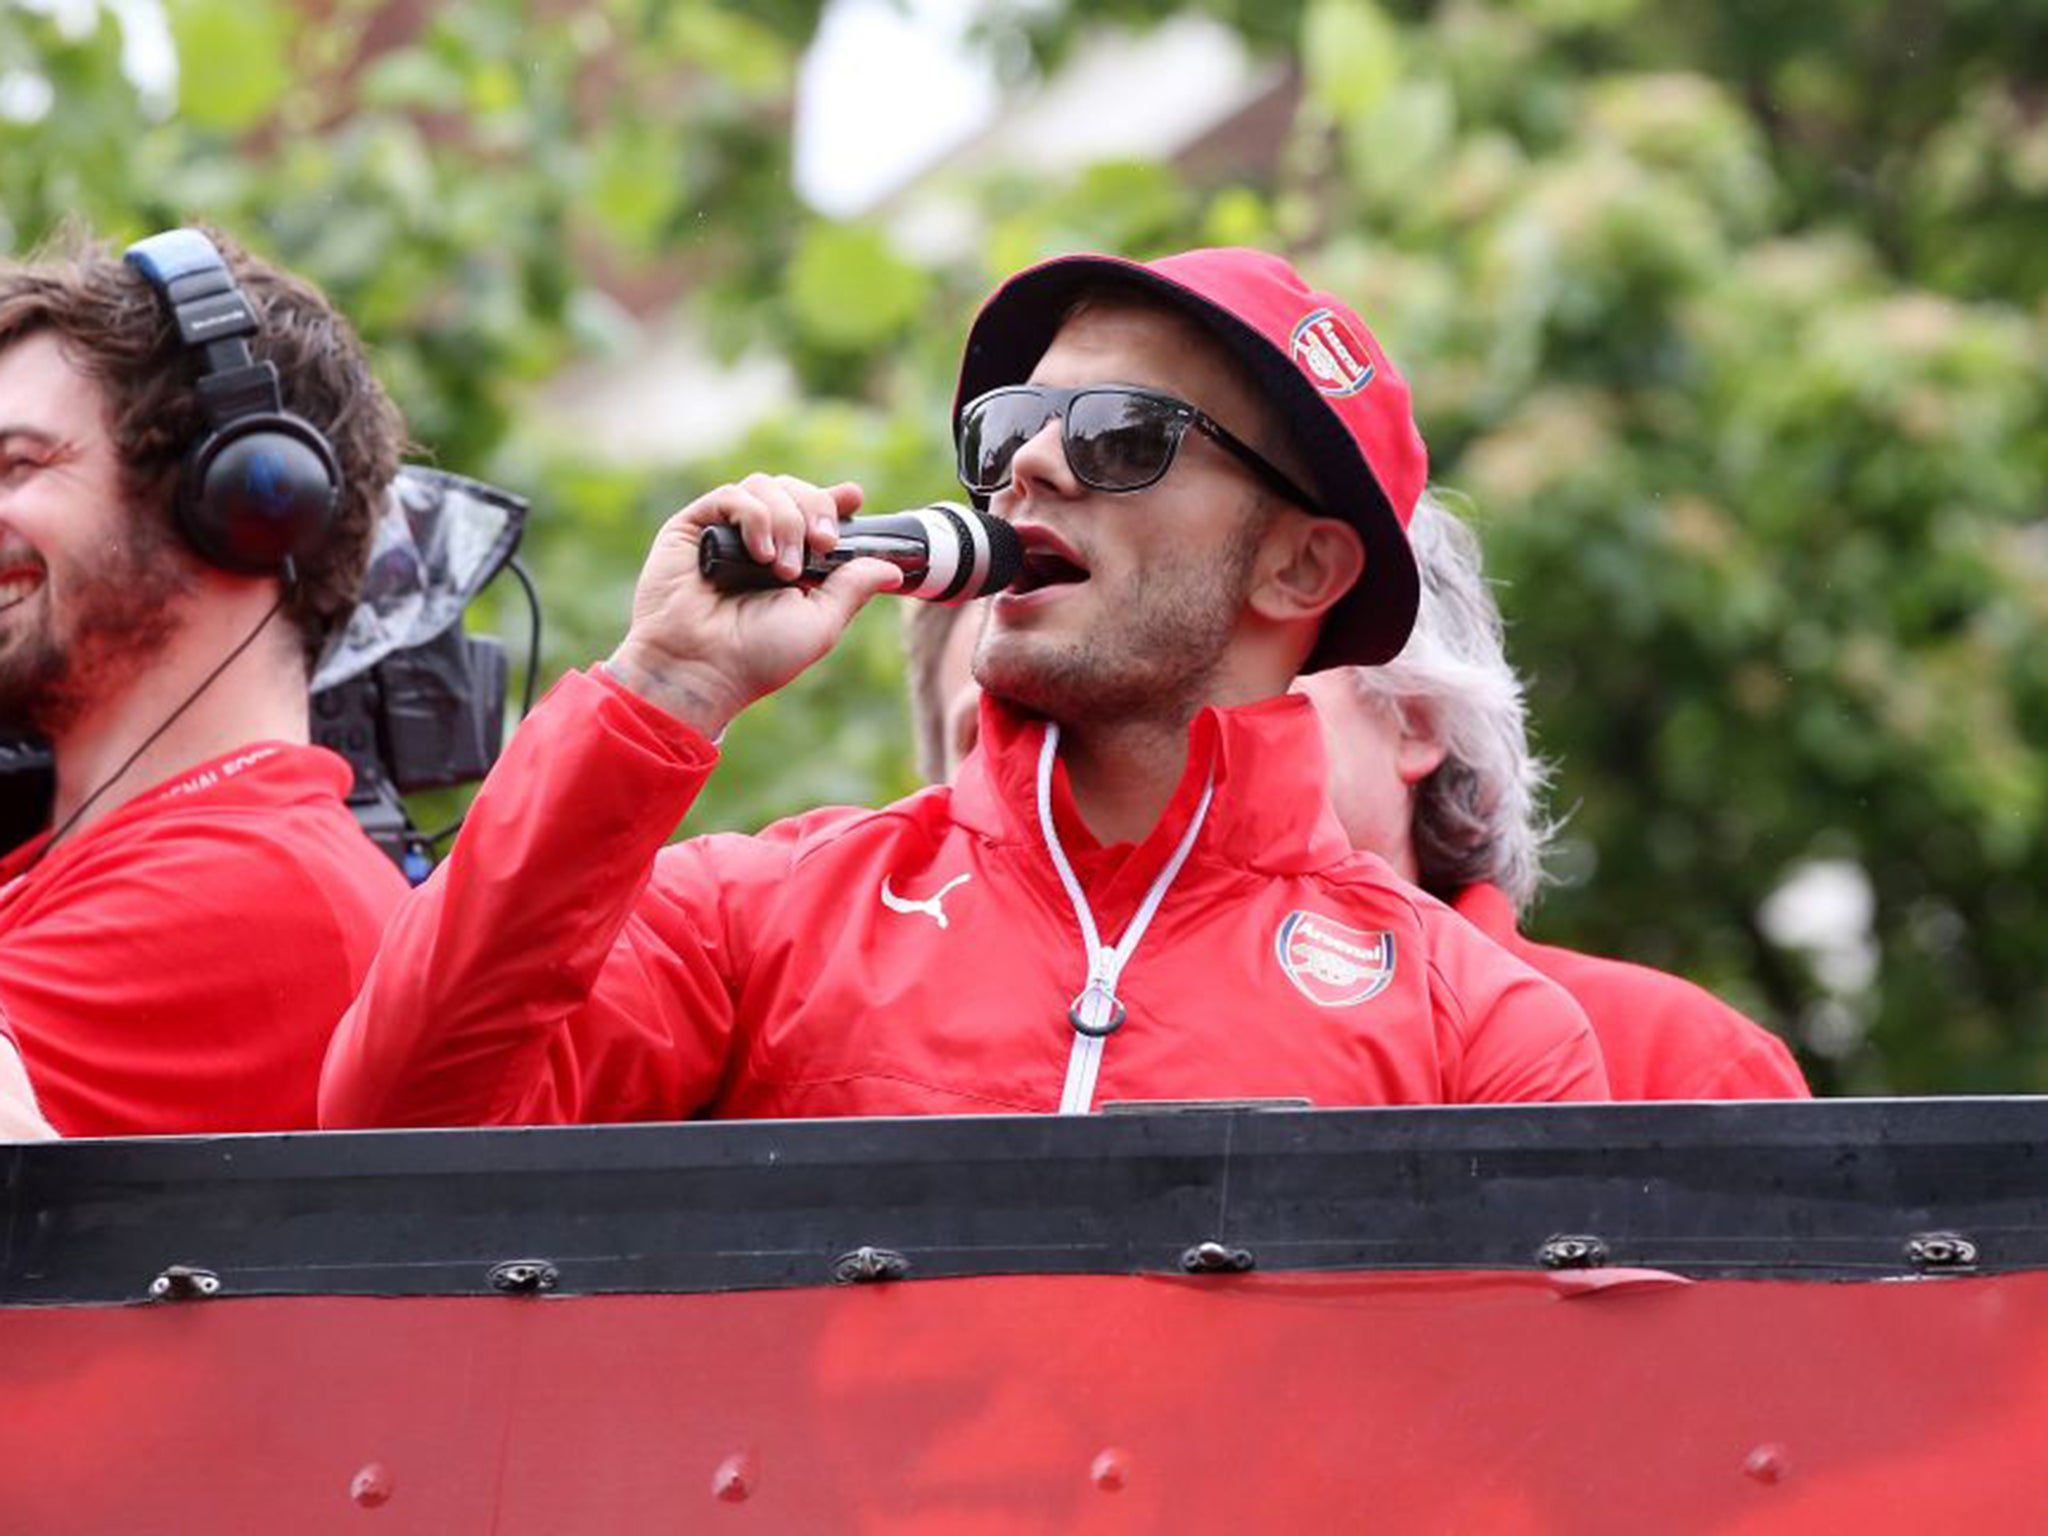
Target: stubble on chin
<point>1153,652</point>
<point>112,626</point>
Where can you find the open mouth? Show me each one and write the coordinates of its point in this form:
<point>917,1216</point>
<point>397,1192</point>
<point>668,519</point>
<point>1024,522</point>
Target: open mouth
<point>18,585</point>
<point>1048,562</point>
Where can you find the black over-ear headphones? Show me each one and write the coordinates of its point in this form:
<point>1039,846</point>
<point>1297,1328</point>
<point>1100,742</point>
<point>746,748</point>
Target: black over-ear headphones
<point>261,488</point>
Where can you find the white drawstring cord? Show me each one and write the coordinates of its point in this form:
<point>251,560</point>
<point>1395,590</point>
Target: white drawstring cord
<point>1095,1012</point>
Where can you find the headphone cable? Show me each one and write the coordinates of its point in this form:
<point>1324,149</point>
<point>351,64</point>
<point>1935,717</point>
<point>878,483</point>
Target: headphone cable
<point>169,720</point>
<point>435,839</point>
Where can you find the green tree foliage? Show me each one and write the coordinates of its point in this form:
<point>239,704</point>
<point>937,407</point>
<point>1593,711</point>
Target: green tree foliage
<point>1731,322</point>
<point>1761,464</point>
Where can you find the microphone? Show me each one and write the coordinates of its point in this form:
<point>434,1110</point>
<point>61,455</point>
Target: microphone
<point>947,553</point>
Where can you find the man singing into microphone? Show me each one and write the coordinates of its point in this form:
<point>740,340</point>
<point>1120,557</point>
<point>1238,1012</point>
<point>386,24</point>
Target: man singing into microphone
<point>1136,890</point>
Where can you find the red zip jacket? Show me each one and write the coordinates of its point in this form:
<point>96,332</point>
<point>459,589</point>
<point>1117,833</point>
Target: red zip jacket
<point>1663,1037</point>
<point>178,965</point>
<point>921,958</point>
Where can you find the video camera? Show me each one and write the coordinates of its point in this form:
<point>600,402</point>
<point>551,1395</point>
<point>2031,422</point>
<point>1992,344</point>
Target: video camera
<point>411,701</point>
<point>28,783</point>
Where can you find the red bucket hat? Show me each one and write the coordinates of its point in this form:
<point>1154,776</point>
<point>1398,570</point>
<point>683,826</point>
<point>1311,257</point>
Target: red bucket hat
<point>1333,390</point>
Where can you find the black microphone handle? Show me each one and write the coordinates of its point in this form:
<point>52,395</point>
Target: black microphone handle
<point>723,559</point>
<point>947,554</point>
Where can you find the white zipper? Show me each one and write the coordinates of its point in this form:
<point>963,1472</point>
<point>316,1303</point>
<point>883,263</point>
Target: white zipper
<point>1095,1011</point>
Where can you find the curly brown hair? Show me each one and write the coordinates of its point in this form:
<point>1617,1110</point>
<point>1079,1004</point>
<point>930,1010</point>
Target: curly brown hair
<point>113,327</point>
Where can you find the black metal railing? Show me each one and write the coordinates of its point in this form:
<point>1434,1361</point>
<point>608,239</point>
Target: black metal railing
<point>1830,1190</point>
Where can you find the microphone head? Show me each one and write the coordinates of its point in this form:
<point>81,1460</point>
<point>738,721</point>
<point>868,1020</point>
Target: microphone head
<point>1005,555</point>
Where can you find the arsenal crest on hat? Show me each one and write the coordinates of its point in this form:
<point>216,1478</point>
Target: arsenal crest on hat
<point>1332,964</point>
<point>1336,362</point>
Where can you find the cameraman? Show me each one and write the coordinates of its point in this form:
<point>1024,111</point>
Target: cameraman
<point>192,456</point>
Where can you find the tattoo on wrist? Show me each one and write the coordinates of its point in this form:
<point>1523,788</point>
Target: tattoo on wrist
<point>677,696</point>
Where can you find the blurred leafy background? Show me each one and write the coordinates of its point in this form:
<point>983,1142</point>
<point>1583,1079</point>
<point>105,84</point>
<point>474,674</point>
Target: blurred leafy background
<point>1730,320</point>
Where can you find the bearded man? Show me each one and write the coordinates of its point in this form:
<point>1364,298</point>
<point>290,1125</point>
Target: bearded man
<point>1136,891</point>
<point>193,454</point>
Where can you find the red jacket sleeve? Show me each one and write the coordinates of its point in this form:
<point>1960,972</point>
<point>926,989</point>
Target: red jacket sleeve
<point>546,973</point>
<point>1665,1038</point>
<point>1759,1066</point>
<point>1521,1037</point>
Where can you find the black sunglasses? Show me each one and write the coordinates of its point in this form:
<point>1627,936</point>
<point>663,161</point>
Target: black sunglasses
<point>1117,437</point>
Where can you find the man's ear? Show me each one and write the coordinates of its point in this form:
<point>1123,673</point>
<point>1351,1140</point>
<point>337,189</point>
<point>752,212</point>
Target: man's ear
<point>1421,749</point>
<point>1304,566</point>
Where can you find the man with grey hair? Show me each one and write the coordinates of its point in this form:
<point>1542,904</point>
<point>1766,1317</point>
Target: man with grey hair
<point>1430,768</point>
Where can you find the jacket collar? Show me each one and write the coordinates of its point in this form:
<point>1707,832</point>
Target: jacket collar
<point>262,773</point>
<point>1487,908</point>
<point>1270,812</point>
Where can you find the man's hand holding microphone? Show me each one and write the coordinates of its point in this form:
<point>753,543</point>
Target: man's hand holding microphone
<point>751,583</point>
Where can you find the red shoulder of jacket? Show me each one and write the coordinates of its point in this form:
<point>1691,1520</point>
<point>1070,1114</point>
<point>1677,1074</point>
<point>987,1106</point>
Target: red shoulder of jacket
<point>1664,1037</point>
